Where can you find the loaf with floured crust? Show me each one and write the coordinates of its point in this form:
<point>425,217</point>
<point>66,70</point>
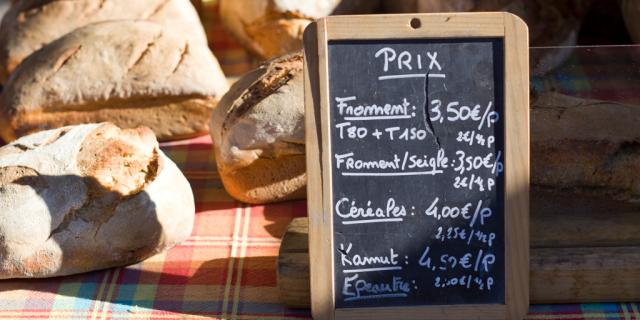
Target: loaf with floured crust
<point>88,197</point>
<point>31,24</point>
<point>258,133</point>
<point>127,72</point>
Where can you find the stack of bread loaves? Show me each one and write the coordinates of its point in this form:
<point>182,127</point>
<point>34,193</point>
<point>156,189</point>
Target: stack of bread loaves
<point>67,70</point>
<point>67,193</point>
<point>87,87</point>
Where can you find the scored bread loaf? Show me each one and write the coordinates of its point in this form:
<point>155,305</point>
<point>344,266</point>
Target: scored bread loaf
<point>271,28</point>
<point>127,72</point>
<point>258,133</point>
<point>88,197</point>
<point>31,24</point>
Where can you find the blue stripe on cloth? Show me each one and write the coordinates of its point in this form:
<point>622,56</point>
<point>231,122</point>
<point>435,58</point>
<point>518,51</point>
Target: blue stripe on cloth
<point>88,290</point>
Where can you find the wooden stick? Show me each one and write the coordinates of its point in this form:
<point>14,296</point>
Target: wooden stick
<point>568,265</point>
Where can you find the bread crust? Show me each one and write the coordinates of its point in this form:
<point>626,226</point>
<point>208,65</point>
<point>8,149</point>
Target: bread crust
<point>88,197</point>
<point>170,119</point>
<point>268,180</point>
<point>129,72</point>
<point>258,133</point>
<point>31,24</point>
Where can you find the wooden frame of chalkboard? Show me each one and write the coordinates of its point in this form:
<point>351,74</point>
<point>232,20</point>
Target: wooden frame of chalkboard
<point>512,36</point>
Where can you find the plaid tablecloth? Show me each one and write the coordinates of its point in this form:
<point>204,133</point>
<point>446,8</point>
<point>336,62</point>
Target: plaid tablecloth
<point>227,268</point>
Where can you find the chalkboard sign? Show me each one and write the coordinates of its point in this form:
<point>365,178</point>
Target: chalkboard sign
<point>418,166</point>
<point>417,171</point>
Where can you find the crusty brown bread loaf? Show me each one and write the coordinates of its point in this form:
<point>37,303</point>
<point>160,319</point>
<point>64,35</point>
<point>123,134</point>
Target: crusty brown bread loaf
<point>258,133</point>
<point>128,72</point>
<point>271,28</point>
<point>88,197</point>
<point>31,24</point>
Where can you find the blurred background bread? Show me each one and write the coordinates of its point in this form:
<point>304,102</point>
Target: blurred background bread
<point>270,28</point>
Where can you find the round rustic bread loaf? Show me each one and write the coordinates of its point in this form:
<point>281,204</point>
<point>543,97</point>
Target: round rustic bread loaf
<point>131,73</point>
<point>271,28</point>
<point>258,133</point>
<point>88,197</point>
<point>31,24</point>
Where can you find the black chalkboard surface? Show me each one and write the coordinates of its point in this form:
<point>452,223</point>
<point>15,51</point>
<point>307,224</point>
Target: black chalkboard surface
<point>417,155</point>
<point>418,190</point>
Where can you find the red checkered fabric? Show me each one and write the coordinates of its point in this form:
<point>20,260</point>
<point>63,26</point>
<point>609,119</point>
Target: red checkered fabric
<point>225,270</point>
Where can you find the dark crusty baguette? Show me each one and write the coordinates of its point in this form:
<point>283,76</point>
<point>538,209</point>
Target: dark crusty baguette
<point>258,133</point>
<point>88,197</point>
<point>31,24</point>
<point>127,72</point>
